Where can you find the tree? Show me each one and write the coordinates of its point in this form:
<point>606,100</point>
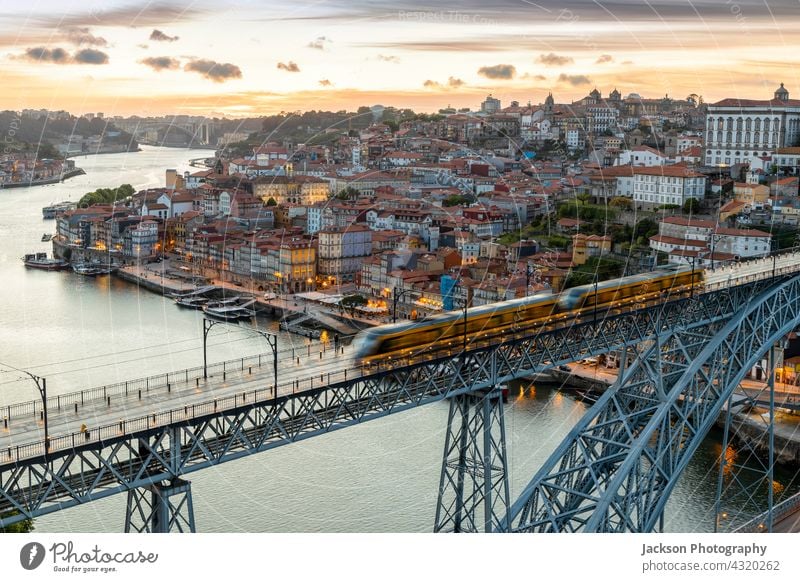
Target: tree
<point>24,526</point>
<point>106,196</point>
<point>272,202</point>
<point>348,193</point>
<point>621,203</point>
<point>691,206</point>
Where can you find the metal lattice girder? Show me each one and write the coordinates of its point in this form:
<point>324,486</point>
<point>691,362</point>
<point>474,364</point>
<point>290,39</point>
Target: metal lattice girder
<point>161,508</point>
<point>473,489</point>
<point>34,486</point>
<point>617,467</point>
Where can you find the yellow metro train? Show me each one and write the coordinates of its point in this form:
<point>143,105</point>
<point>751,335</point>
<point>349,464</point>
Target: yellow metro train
<point>410,338</point>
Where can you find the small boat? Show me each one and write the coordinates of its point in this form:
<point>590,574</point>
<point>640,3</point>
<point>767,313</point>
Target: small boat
<point>230,312</point>
<point>223,302</point>
<point>91,270</point>
<point>40,261</point>
<point>191,302</point>
<point>46,237</point>
<point>54,210</point>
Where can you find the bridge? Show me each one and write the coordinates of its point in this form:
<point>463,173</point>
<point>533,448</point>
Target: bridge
<point>614,471</point>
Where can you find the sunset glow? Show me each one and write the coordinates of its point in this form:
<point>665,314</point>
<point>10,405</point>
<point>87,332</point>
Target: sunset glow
<point>245,58</point>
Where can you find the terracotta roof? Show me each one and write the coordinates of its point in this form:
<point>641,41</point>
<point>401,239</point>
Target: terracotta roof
<point>681,221</point>
<point>770,103</point>
<point>671,240</point>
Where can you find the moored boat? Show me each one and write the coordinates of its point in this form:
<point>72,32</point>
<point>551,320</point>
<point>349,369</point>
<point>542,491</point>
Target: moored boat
<point>191,302</point>
<point>54,210</point>
<point>91,270</point>
<point>40,261</point>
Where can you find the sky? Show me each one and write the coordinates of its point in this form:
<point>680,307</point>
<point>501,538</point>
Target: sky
<point>238,58</point>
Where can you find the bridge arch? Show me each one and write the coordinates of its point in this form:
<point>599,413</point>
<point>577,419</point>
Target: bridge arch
<point>615,470</point>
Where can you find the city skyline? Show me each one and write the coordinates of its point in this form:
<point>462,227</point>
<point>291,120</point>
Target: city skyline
<point>241,59</point>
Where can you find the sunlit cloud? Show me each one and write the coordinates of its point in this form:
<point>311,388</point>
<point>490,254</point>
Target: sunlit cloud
<point>498,72</point>
<point>214,71</point>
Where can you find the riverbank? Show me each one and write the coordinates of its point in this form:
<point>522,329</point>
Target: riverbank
<point>123,150</point>
<point>54,180</point>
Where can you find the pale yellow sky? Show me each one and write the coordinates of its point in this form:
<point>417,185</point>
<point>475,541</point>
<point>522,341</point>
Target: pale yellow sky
<point>247,58</point>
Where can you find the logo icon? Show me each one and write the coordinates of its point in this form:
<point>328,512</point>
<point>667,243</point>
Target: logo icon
<point>31,555</point>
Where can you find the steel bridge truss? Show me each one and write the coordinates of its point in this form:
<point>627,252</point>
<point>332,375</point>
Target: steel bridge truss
<point>617,467</point>
<point>473,489</point>
<point>39,484</point>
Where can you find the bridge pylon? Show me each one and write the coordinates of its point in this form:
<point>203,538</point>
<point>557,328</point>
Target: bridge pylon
<point>164,507</point>
<point>473,489</point>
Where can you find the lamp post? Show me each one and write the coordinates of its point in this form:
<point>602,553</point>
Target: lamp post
<point>41,385</point>
<point>271,338</point>
<point>528,273</point>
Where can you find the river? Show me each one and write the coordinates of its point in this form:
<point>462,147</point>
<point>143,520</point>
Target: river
<point>381,476</point>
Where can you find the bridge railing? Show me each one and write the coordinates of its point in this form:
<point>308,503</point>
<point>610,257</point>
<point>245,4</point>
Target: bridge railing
<point>781,511</point>
<point>132,387</point>
<point>122,427</point>
<point>14,453</point>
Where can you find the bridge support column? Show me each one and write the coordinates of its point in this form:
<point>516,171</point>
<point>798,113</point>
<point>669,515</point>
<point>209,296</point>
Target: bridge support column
<point>473,489</point>
<point>161,508</point>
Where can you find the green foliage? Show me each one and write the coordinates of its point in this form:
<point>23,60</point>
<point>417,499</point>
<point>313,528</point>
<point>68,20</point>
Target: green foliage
<point>107,196</point>
<point>458,200</point>
<point>586,212</point>
<point>353,300</point>
<point>558,241</point>
<point>691,206</point>
<point>24,526</point>
<point>272,202</point>
<point>645,228</point>
<point>601,268</point>
<point>348,193</point>
<point>621,202</point>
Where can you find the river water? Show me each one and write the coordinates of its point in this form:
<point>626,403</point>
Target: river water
<point>378,477</point>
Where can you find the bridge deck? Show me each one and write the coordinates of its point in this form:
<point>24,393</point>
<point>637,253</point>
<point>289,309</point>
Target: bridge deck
<point>99,411</point>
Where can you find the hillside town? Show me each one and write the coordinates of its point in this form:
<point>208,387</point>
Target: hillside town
<point>487,205</point>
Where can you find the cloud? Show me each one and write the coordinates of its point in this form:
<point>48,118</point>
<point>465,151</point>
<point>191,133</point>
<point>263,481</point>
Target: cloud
<point>455,82</point>
<point>214,71</point>
<point>91,57</point>
<point>534,77</point>
<point>574,80</point>
<point>604,59</point>
<point>554,60</point>
<point>389,59</point>
<point>82,35</point>
<point>325,83</point>
<point>627,62</point>
<point>498,72</point>
<point>319,44</point>
<point>290,67</point>
<point>161,63</point>
<point>46,55</point>
<point>159,36</point>
<point>132,15</point>
<point>431,84</point>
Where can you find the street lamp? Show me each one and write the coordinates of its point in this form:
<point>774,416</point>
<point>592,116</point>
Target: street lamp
<point>271,338</point>
<point>528,273</point>
<point>41,385</point>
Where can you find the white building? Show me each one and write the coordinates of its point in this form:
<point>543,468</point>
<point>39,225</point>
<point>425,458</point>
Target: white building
<point>641,156</point>
<point>744,130</point>
<point>661,185</point>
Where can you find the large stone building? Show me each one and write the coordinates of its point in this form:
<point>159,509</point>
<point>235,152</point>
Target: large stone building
<point>745,130</point>
<point>305,190</point>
